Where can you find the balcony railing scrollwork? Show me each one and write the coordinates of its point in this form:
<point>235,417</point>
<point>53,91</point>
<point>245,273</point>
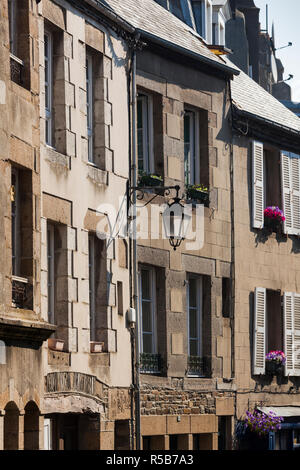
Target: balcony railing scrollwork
<point>150,363</point>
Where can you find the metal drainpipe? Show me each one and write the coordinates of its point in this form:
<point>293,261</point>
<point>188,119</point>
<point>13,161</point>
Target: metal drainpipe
<point>134,256</point>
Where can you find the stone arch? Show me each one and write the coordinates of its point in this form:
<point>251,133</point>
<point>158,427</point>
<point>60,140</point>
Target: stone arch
<point>31,426</point>
<point>11,426</point>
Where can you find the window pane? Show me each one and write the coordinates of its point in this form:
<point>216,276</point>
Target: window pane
<point>147,316</point>
<point>193,348</point>
<point>193,323</point>
<point>147,343</point>
<point>199,16</point>
<point>146,290</point>
<point>193,293</point>
<point>175,8</point>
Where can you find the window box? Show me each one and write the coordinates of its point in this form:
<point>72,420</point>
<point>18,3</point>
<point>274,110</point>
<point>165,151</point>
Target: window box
<point>198,193</point>
<point>274,368</point>
<point>273,219</point>
<point>146,179</point>
<point>150,363</point>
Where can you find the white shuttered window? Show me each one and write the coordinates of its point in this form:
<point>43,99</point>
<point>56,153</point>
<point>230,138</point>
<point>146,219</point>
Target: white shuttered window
<point>258,202</point>
<point>292,333</point>
<point>290,173</point>
<point>259,331</point>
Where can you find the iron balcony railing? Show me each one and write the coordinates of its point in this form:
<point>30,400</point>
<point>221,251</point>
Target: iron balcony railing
<point>21,293</point>
<point>16,69</point>
<point>197,366</point>
<point>150,363</point>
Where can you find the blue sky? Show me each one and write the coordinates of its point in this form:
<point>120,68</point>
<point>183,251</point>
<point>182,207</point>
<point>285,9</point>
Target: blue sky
<point>285,14</point>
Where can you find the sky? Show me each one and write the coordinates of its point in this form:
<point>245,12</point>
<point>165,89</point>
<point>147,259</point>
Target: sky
<point>285,15</point>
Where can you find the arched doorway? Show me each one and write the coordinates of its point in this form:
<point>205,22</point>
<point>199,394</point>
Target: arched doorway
<point>11,427</point>
<point>31,426</point>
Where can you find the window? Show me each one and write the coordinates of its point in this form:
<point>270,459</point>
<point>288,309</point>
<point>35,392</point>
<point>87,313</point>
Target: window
<point>147,311</point>
<point>22,237</point>
<point>89,106</point>
<point>191,147</point>
<point>275,184</point>
<point>12,15</point>
<point>199,17</point>
<point>18,16</point>
<point>226,295</point>
<point>51,273</point>
<point>97,284</point>
<point>145,133</point>
<point>15,220</point>
<point>175,8</point>
<point>92,287</point>
<point>276,328</point>
<point>48,45</point>
<point>195,316</point>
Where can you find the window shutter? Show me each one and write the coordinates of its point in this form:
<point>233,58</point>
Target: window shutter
<point>287,192</point>
<point>288,307</point>
<point>296,342</point>
<point>259,331</point>
<point>295,172</point>
<point>258,184</point>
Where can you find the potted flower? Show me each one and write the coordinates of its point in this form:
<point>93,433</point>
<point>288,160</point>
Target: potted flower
<point>275,361</point>
<point>147,179</point>
<point>198,192</point>
<point>262,423</point>
<point>273,218</point>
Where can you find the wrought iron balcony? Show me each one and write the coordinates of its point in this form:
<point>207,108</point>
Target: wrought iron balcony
<point>197,366</point>
<point>21,293</point>
<point>150,363</point>
<point>16,69</point>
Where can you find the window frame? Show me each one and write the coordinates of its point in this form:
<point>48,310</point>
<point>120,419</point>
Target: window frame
<point>192,176</point>
<point>147,131</point>
<point>152,290</point>
<point>90,106</point>
<point>51,272</point>
<point>49,90</point>
<point>199,312</point>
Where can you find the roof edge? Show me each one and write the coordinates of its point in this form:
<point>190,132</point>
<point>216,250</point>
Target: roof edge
<point>266,121</point>
<point>155,39</point>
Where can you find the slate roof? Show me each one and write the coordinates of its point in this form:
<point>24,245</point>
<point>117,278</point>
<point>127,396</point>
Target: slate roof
<point>151,19</point>
<point>251,98</point>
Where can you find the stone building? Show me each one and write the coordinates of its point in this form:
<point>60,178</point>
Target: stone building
<point>64,157</point>
<point>265,157</point>
<point>68,375</point>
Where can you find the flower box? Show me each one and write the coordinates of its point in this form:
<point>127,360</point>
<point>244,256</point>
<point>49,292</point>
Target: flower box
<point>198,193</point>
<point>273,219</point>
<point>275,361</point>
<point>262,423</point>
<point>56,344</point>
<point>146,179</point>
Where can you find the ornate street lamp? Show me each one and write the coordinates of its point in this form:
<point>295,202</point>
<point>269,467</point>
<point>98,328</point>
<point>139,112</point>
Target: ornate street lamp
<point>175,218</point>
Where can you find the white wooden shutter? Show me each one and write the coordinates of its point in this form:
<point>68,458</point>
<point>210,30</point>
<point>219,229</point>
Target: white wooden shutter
<point>259,331</point>
<point>287,192</point>
<point>295,173</point>
<point>296,342</point>
<point>258,184</point>
<point>288,307</point>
